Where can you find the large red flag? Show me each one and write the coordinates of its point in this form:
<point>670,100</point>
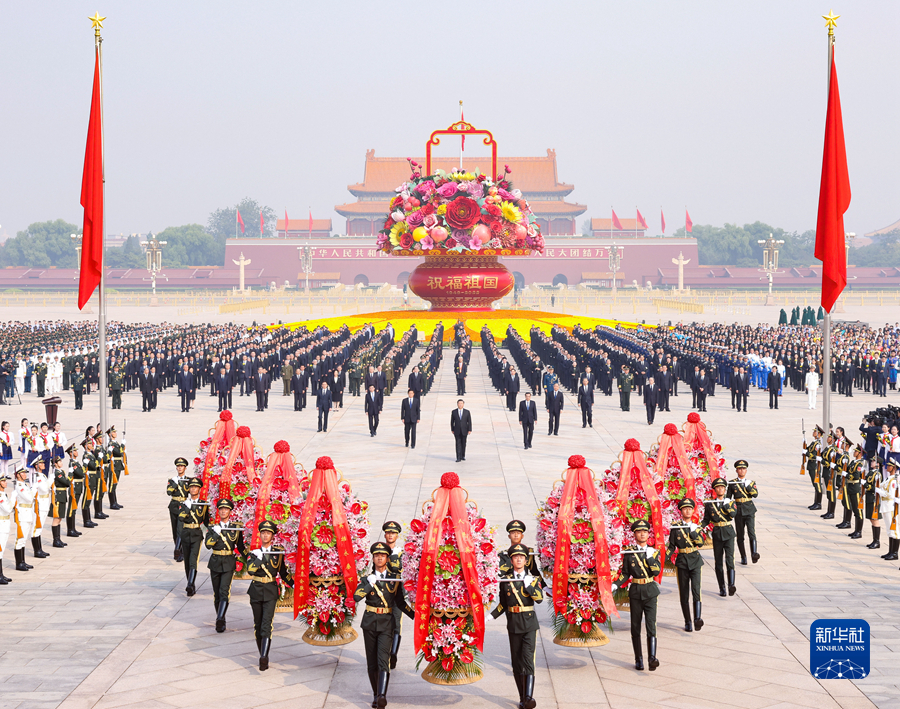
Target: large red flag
<point>285,223</point>
<point>310,223</point>
<point>615,221</point>
<point>688,224</point>
<point>662,219</point>
<point>240,219</point>
<point>262,224</point>
<point>92,198</point>
<point>640,218</point>
<point>834,198</point>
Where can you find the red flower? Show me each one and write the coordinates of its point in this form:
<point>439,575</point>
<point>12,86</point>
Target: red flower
<point>614,549</point>
<point>447,664</point>
<point>410,548</point>
<point>577,461</point>
<point>241,489</point>
<point>429,655</point>
<point>586,627</point>
<point>450,480</point>
<point>361,532</point>
<point>553,502</point>
<point>243,431</point>
<point>632,445</point>
<point>282,447</point>
<point>659,487</point>
<point>479,524</point>
<point>693,417</point>
<point>355,508</point>
<point>296,510</point>
<point>581,530</point>
<point>449,242</point>
<point>546,524</point>
<point>570,619</point>
<point>417,525</point>
<point>225,415</point>
<point>487,548</point>
<point>280,484</point>
<point>670,429</point>
<point>406,241</point>
<point>427,209</point>
<point>323,616</point>
<point>466,656</point>
<point>674,486</point>
<point>324,535</point>
<point>448,560</point>
<point>324,462</point>
<point>323,629</point>
<point>463,213</point>
<point>196,461</point>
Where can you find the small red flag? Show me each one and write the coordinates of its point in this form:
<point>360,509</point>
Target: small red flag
<point>615,221</point>
<point>640,218</point>
<point>688,224</point>
<point>262,224</point>
<point>240,219</point>
<point>92,198</point>
<point>834,199</point>
<point>310,222</point>
<point>285,223</point>
<point>662,219</point>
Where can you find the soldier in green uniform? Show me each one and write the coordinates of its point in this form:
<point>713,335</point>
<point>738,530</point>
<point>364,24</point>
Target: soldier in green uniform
<point>287,372</point>
<point>116,379</point>
<point>78,387</point>
<point>840,482</point>
<point>743,492</point>
<point>60,500</point>
<point>517,599</point>
<point>40,373</point>
<point>176,489</point>
<point>94,480</point>
<point>855,474</point>
<point>263,565</point>
<point>626,381</point>
<point>389,375</point>
<point>873,506</point>
<point>102,464</point>
<point>355,376</point>
<point>395,563</point>
<point>115,450</point>
<point>641,564</point>
<point>719,513</point>
<point>222,539</point>
<point>383,597</point>
<point>686,539</point>
<point>812,453</point>
<point>830,456</point>
<point>515,530</point>
<point>76,499</point>
<point>192,514</point>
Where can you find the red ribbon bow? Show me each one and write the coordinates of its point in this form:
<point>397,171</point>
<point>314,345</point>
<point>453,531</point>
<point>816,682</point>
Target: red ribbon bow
<point>696,433</point>
<point>223,433</point>
<point>673,443</point>
<point>241,447</point>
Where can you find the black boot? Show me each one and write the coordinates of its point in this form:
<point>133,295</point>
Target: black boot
<point>179,553</point>
<point>527,694</point>
<point>857,529</point>
<point>3,579</point>
<point>98,510</point>
<point>86,518</point>
<point>638,653</point>
<point>817,502</point>
<point>520,685</point>
<point>754,551</point>
<point>381,691</point>
<point>893,544</point>
<point>395,648</point>
<point>720,577</point>
<point>264,646</point>
<point>698,621</point>
<point>114,501</point>
<point>845,522</point>
<point>20,560</point>
<point>220,616</point>
<point>876,539</point>
<point>653,663</point>
<point>190,589</point>
<point>743,552</point>
<point>39,552</point>
<point>731,578</point>
<point>829,513</point>
<point>70,527</point>
<point>57,542</point>
<point>373,680</point>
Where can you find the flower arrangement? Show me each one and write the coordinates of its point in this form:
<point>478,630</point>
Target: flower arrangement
<point>458,212</point>
<point>433,557</point>
<point>333,527</point>
<point>578,593</point>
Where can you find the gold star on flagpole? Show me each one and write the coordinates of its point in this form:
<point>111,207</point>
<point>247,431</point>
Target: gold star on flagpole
<point>830,21</point>
<point>97,23</point>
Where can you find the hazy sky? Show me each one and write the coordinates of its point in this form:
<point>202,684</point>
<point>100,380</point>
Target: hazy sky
<point>719,106</point>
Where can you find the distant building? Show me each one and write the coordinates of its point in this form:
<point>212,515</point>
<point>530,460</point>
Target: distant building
<point>300,228</point>
<point>886,230</point>
<point>603,228</point>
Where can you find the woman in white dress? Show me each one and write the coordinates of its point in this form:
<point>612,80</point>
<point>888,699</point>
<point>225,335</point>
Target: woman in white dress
<point>6,449</point>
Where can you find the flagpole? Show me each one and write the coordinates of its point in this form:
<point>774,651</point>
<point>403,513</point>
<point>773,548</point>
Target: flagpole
<point>831,21</point>
<point>462,140</point>
<point>101,317</point>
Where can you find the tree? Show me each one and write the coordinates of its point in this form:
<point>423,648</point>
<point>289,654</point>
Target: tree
<point>129,255</point>
<point>733,245</point>
<point>191,245</point>
<point>884,252</point>
<point>41,245</point>
<point>221,223</point>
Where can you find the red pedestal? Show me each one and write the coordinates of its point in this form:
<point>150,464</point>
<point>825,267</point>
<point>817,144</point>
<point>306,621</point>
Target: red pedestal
<point>461,282</point>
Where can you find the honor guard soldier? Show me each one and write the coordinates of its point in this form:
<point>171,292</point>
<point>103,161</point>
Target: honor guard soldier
<point>7,504</point>
<point>60,500</point>
<point>515,530</point>
<point>872,506</point>
<point>92,476</point>
<point>76,476</point>
<point>116,380</point>
<point>517,599</point>
<point>41,485</point>
<point>383,597</point>
<point>263,565</point>
<point>176,489</point>
<point>641,564</point>
<point>719,512</point>
<point>830,457</point>
<point>193,513</point>
<point>116,452</point>
<point>223,538</point>
<point>78,384</point>
<point>626,382</point>
<point>102,460</point>
<point>887,496</point>
<point>391,532</point>
<point>25,516</point>
<point>686,538</point>
<point>840,480</point>
<point>853,503</point>
<point>812,453</point>
<point>743,492</point>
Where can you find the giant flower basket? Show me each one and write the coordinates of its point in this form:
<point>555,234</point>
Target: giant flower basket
<point>332,550</point>
<point>451,570</point>
<point>461,222</point>
<point>572,540</point>
<point>699,444</point>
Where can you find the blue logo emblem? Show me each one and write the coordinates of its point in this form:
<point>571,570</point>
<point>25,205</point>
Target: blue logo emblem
<point>839,649</point>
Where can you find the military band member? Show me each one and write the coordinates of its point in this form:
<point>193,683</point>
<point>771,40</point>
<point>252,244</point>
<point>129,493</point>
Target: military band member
<point>76,490</point>
<point>115,450</point>
<point>890,504</point>
<point>872,506</point>
<point>395,563</point>
<point>812,453</point>
<point>379,622</point>
<point>25,507</point>
<point>59,500</point>
<point>853,478</point>
<point>7,505</point>
<point>176,489</point>
<point>92,480</point>
<point>223,538</point>
<point>686,539</point>
<point>517,600</point>
<point>515,530</point>
<point>641,564</point>
<point>102,461</point>
<point>192,515</point>
<point>840,481</point>
<point>719,513</point>
<point>830,460</point>
<point>263,565</point>
<point>743,492</point>
<point>41,484</point>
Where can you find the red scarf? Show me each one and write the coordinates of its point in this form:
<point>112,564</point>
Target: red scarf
<point>633,459</point>
<point>223,433</point>
<point>324,485</point>
<point>449,503</point>
<point>673,442</point>
<point>581,478</point>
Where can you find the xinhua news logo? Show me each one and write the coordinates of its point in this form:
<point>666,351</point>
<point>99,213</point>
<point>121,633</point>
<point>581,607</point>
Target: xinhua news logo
<point>839,649</point>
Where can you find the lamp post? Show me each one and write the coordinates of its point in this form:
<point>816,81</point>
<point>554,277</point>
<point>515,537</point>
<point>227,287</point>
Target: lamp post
<point>615,263</point>
<point>153,248</point>
<point>77,239</point>
<point>770,261</point>
<point>306,262</point>
<point>848,240</point>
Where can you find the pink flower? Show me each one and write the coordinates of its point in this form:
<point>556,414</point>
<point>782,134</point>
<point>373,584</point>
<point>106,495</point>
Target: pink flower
<point>415,219</point>
<point>447,190</point>
<point>425,188</point>
<point>426,243</point>
<point>430,221</point>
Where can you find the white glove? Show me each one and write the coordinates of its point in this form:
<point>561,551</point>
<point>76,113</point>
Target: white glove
<point>844,475</point>
<point>174,480</point>
<point>372,579</point>
<point>188,503</point>
<point>528,579</point>
<point>109,448</point>
<point>489,618</point>
<point>614,587</point>
<point>217,528</point>
<point>122,443</point>
<point>258,554</point>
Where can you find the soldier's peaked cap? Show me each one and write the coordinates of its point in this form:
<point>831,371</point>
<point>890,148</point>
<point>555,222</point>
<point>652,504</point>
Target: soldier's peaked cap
<point>225,502</point>
<point>741,464</point>
<point>516,526</point>
<point>380,548</point>
<point>391,526</point>
<point>720,481</point>
<point>687,502</point>
<point>181,461</point>
<point>640,525</point>
<point>268,526</point>
<point>517,550</point>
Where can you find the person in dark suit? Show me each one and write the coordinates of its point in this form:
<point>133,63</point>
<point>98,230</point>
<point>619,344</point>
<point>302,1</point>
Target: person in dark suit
<point>185,383</point>
<point>741,387</point>
<point>511,388</point>
<point>416,382</point>
<point>299,384</point>
<point>261,384</point>
<point>527,417</point>
<point>586,402</point>
<point>372,407</point>
<point>461,426</point>
<point>700,387</point>
<point>664,385</point>
<point>461,370</point>
<point>773,384</point>
<point>410,413</point>
<point>323,404</point>
<point>223,388</point>
<point>651,399</point>
<point>555,405</point>
<point>230,381</point>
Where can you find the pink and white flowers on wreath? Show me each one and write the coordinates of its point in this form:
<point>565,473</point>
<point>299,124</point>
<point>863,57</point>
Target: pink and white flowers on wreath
<point>458,212</point>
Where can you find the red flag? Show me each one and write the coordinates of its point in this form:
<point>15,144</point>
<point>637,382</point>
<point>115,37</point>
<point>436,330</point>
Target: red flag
<point>310,223</point>
<point>240,220</point>
<point>640,218</point>
<point>662,219</point>
<point>92,198</point>
<point>834,198</point>
<point>285,223</point>
<point>262,224</point>
<point>615,221</point>
<point>462,117</point>
<point>688,224</point>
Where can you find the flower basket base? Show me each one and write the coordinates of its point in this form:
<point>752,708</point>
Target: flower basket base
<point>346,634</point>
<point>624,605</point>
<point>708,544</point>
<point>435,674</point>
<point>285,604</point>
<point>240,576</point>
<point>669,570</point>
<point>572,638</point>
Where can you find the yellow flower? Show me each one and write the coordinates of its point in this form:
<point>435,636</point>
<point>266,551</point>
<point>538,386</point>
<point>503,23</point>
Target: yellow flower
<point>511,212</point>
<point>396,230</point>
<point>442,209</point>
